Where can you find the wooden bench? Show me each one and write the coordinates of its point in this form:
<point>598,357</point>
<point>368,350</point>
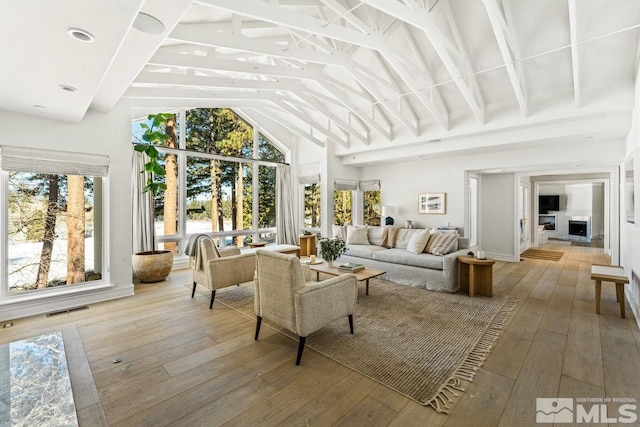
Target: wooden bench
<point>610,273</point>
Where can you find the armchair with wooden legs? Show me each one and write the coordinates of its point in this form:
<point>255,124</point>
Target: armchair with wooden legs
<point>284,297</point>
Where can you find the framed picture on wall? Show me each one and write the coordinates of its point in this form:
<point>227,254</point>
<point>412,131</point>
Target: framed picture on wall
<point>432,203</point>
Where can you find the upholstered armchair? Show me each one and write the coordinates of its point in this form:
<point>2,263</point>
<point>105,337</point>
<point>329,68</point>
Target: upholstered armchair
<point>282,296</point>
<point>215,269</point>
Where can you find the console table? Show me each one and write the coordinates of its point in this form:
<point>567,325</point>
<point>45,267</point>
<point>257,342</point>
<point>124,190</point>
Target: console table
<point>476,275</point>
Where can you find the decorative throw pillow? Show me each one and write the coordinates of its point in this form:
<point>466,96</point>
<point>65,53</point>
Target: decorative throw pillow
<point>442,243</point>
<point>357,235</point>
<point>418,242</point>
<point>339,231</point>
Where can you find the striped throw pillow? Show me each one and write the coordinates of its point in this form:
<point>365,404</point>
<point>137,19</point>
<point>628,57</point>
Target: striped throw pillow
<point>442,243</point>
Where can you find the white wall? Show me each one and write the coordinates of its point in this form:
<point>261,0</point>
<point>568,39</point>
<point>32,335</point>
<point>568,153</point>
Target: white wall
<point>630,233</point>
<point>401,182</point>
<point>597,211</point>
<point>498,211</point>
<point>108,134</point>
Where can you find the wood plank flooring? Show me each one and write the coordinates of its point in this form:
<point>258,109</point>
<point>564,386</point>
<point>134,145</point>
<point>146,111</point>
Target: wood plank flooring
<point>184,365</point>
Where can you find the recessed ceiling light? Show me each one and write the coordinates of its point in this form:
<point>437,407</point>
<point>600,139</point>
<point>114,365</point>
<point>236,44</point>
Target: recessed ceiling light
<point>80,34</point>
<point>588,137</point>
<point>38,106</point>
<point>68,88</point>
<point>435,140</point>
<point>148,24</point>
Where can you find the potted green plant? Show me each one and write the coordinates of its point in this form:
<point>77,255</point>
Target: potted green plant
<point>331,249</point>
<point>153,265</point>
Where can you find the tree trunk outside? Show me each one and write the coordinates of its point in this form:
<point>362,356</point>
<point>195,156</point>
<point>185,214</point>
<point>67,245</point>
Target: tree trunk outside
<point>315,209</point>
<point>171,180</point>
<point>75,230</point>
<point>49,233</point>
<point>214,196</point>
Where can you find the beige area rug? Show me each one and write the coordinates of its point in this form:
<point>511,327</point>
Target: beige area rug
<point>543,254</point>
<point>417,342</point>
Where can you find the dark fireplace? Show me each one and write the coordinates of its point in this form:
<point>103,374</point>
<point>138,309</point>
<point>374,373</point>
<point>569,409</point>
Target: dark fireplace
<point>578,228</point>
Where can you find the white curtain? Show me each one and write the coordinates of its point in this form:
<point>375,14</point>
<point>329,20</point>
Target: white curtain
<point>142,219</point>
<point>287,230</point>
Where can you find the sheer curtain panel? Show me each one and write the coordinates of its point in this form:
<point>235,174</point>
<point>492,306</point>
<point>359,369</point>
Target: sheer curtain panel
<point>286,226</point>
<point>141,206</point>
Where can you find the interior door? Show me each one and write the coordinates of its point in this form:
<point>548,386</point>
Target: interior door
<point>524,212</point>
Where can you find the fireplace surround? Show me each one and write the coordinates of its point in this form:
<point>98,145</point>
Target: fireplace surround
<point>579,228</point>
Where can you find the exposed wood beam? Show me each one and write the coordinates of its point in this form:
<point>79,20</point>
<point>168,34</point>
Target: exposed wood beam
<point>461,73</point>
<point>162,93</point>
<point>501,31</point>
<point>575,58</point>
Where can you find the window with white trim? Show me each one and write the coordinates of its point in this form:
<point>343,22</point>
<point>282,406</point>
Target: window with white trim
<point>53,219</point>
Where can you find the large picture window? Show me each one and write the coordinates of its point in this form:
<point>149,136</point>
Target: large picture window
<point>54,219</point>
<point>213,181</point>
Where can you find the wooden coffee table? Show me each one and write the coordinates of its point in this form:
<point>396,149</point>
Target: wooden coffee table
<point>362,275</point>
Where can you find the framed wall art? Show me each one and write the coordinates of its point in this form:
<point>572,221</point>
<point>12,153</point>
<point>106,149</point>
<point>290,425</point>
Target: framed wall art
<point>432,203</point>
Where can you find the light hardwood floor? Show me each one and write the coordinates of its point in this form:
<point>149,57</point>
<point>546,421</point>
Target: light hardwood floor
<point>184,365</point>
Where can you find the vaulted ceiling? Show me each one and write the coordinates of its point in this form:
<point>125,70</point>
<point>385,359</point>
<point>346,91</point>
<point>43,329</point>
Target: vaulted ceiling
<point>375,78</point>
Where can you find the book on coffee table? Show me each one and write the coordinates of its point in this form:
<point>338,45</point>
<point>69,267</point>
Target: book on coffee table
<point>352,267</point>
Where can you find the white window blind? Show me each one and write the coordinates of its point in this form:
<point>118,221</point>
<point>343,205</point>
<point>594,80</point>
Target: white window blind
<point>370,185</point>
<point>309,173</point>
<point>38,160</point>
<point>345,185</point>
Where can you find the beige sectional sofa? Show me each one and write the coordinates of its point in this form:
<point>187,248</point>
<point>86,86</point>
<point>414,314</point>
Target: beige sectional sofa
<point>424,270</point>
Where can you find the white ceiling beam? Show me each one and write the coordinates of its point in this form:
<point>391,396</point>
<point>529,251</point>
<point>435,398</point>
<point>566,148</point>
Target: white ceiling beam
<point>350,130</point>
<point>201,34</point>
<point>501,31</point>
<point>309,24</point>
<point>164,104</point>
<point>575,58</point>
<point>347,14</point>
<point>177,60</point>
<point>461,73</point>
<point>434,93</point>
<point>182,93</point>
<point>290,19</point>
<point>173,79</point>
<point>306,118</point>
<point>273,116</point>
<point>364,116</point>
<point>401,99</point>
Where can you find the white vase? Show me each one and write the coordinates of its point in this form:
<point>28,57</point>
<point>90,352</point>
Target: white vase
<point>329,263</point>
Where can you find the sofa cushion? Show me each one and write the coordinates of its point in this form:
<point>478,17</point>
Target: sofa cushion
<point>404,235</point>
<point>364,251</point>
<point>401,256</point>
<point>339,231</point>
<point>357,235</point>
<point>442,243</point>
<point>418,242</point>
<point>375,235</point>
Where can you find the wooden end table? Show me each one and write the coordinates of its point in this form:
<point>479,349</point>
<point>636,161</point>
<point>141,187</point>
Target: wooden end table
<point>609,273</point>
<point>362,275</point>
<point>476,275</point>
<point>308,244</point>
